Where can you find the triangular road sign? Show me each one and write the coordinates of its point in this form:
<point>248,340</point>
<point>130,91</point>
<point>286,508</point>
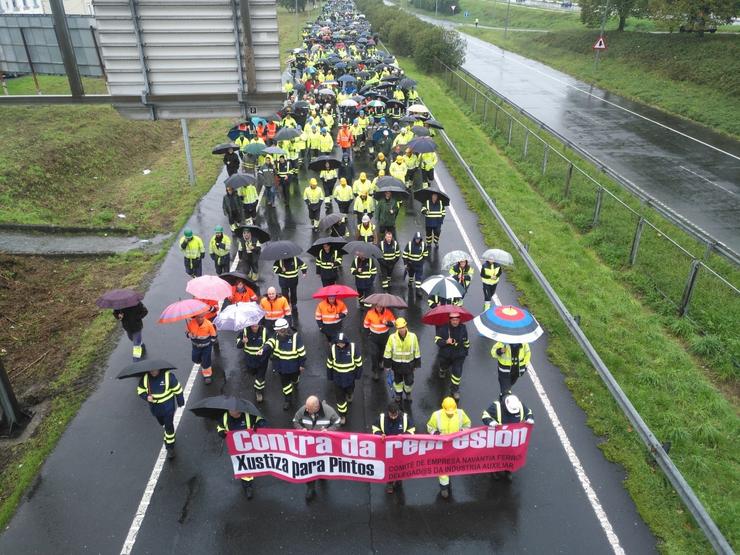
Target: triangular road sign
<point>600,44</point>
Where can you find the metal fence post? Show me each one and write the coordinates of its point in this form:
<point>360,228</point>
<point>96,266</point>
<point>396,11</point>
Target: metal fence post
<point>64,38</point>
<point>475,101</point>
<point>597,207</point>
<point>526,142</point>
<point>544,158</point>
<point>511,125</point>
<point>30,61</point>
<point>495,118</point>
<point>188,153</point>
<point>636,240</point>
<point>568,177</point>
<point>485,109</point>
<point>688,290</point>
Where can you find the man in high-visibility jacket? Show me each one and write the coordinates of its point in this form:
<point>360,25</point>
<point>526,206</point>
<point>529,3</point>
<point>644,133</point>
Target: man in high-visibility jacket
<point>412,164</point>
<point>509,410</point>
<point>162,391</point>
<point>453,343</point>
<point>328,177</point>
<point>326,142</point>
<point>313,196</point>
<point>427,163</point>
<point>288,358</point>
<point>344,195</point>
<point>329,315</point>
<point>283,172</point>
<point>403,357</point>
<point>398,169</point>
<point>364,269</point>
<point>391,254</point>
<point>434,216</point>
<point>378,322</point>
<point>361,184</point>
<point>194,250</point>
<point>241,141</point>
<point>345,140</point>
<point>249,197</point>
<point>414,255</point>
<point>463,273</point>
<point>490,274</point>
<point>343,367</point>
<point>381,163</point>
<point>233,420</point>
<point>202,335</point>
<point>287,272</point>
<point>241,293</point>
<point>512,363</point>
<point>252,341</point>
<point>393,422</point>
<point>364,205</point>
<point>366,230</point>
<point>275,307</point>
<point>447,420</point>
<point>249,253</point>
<point>219,248</point>
<point>328,263</point>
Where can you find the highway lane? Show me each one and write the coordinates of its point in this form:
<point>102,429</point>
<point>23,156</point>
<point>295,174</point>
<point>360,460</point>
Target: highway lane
<point>689,168</point>
<point>90,487</point>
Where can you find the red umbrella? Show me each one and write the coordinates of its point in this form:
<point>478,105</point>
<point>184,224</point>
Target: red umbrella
<point>339,291</point>
<point>440,315</point>
<point>182,310</point>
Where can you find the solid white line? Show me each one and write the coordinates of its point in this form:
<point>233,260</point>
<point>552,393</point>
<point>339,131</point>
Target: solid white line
<point>570,452</point>
<point>534,68</point>
<point>709,181</point>
<point>146,498</point>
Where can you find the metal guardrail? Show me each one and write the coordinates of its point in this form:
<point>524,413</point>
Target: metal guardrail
<point>501,116</point>
<point>689,227</point>
<point>684,490</point>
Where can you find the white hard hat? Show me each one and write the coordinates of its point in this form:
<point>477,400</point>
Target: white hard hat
<point>365,219</point>
<point>513,404</point>
<point>281,324</point>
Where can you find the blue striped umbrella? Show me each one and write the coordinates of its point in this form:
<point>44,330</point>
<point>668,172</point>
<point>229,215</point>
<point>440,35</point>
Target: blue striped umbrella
<point>508,324</point>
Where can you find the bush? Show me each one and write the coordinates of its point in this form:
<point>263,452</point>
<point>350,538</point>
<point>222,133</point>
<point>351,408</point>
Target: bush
<point>407,35</point>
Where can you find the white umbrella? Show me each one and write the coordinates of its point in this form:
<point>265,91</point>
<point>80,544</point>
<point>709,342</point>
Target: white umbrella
<point>499,256</point>
<point>236,317</point>
<point>443,286</point>
<point>418,109</point>
<point>348,103</point>
<point>453,257</point>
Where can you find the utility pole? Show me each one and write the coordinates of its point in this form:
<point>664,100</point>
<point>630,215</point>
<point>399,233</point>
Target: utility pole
<point>506,26</point>
<point>188,153</point>
<point>601,33</point>
<point>436,7</point>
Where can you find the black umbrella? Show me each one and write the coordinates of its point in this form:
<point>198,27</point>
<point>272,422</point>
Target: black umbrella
<point>391,78</point>
<point>420,131</point>
<point>140,368</point>
<point>319,163</point>
<point>406,83</point>
<point>223,148</point>
<point>366,249</point>
<point>330,220</point>
<point>277,250</point>
<point>424,195</point>
<point>233,277</point>
<point>433,123</point>
<point>119,298</point>
<point>407,119</point>
<point>336,243</point>
<point>399,192</point>
<point>422,145</point>
<point>389,181</point>
<point>240,180</point>
<point>394,104</point>
<point>214,407</point>
<point>258,233</point>
<point>301,104</point>
<point>287,133</point>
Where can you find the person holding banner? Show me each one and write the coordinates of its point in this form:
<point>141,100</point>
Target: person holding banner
<point>343,367</point>
<point>513,412</point>
<point>235,420</point>
<point>393,422</point>
<point>403,356</point>
<point>315,415</point>
<point>447,420</point>
<point>288,357</point>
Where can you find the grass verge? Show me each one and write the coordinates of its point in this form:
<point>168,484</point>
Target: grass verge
<point>663,381</point>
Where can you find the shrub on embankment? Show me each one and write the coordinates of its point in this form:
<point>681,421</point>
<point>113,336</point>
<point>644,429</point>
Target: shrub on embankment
<point>407,35</point>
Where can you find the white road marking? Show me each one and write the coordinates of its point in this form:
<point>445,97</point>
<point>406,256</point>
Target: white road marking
<point>709,181</point>
<point>664,126</point>
<point>151,485</point>
<point>570,452</point>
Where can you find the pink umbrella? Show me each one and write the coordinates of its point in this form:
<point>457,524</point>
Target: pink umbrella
<point>212,288</point>
<point>182,310</point>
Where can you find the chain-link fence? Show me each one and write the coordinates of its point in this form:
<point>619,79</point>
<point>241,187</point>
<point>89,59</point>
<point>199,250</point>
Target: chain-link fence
<point>674,270</point>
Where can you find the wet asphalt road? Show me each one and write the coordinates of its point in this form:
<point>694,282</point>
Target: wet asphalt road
<point>692,170</point>
<point>91,485</point>
<point>57,244</point>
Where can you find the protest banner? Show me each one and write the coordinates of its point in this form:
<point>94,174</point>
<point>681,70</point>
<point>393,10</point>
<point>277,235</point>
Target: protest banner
<point>301,455</point>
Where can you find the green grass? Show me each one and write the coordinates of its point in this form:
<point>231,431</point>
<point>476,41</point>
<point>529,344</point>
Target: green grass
<point>665,383</point>
<point>659,276</point>
<point>53,84</point>
<point>695,78</point>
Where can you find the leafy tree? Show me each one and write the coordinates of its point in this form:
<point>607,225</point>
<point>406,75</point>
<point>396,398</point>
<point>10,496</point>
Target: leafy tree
<point>694,15</point>
<point>592,11</point>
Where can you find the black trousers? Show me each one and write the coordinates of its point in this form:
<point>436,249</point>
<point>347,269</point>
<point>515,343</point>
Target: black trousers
<point>506,380</point>
<point>488,292</point>
<point>377,347</point>
<point>167,420</point>
<point>289,289</point>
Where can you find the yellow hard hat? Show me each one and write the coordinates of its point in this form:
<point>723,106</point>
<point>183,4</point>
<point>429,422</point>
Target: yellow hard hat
<point>381,172</point>
<point>313,181</point>
<point>363,175</point>
<point>381,156</point>
<point>449,405</point>
<point>343,181</point>
<point>400,323</point>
